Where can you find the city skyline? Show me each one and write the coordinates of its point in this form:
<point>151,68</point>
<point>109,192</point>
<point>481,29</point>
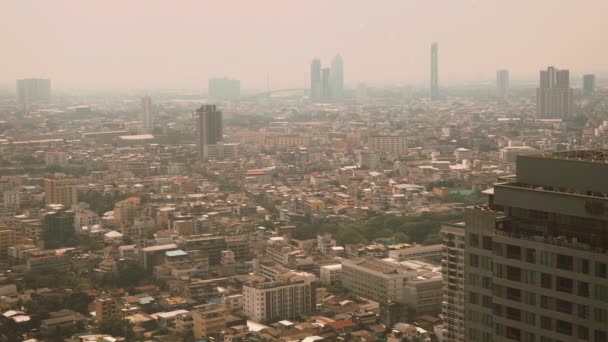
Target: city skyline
<point>376,41</point>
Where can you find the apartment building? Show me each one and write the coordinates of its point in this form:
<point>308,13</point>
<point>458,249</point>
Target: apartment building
<point>452,269</point>
<point>208,320</point>
<point>537,254</point>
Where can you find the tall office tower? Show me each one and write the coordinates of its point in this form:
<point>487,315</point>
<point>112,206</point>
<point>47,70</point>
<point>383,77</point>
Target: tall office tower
<point>452,268</point>
<point>315,80</point>
<point>537,255</point>
<point>210,129</point>
<point>325,84</point>
<point>434,71</point>
<point>502,83</point>
<point>224,89</point>
<point>60,191</point>
<point>147,121</point>
<point>554,97</point>
<point>588,85</point>
<point>33,90</point>
<point>337,77</point>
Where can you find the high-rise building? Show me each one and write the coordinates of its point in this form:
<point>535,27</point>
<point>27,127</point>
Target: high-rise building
<point>290,297</point>
<point>452,268</point>
<point>537,255</point>
<point>434,71</point>
<point>58,227</point>
<point>391,144</point>
<point>60,191</point>
<point>147,120</point>
<point>588,84</point>
<point>325,84</point>
<point>337,77</point>
<point>210,128</point>
<point>502,83</point>
<point>554,97</point>
<point>315,80</point>
<point>224,89</point>
<point>33,90</point>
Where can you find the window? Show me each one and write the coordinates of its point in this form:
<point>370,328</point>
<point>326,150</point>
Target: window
<point>486,263</point>
<point>600,336</point>
<point>600,269</point>
<point>565,262</point>
<point>474,260</point>
<point>600,315</point>
<point>513,333</point>
<point>546,258</point>
<point>487,301</point>
<point>530,298</point>
<point>563,306</point>
<point>474,279</point>
<point>583,266</point>
<point>564,284</point>
<point>513,252</point>
<point>583,332</point>
<point>546,281</point>
<point>486,282</point>
<point>545,302</point>
<point>486,243</point>
<point>563,327</point>
<point>473,240</point>
<point>530,277</point>
<point>530,318</point>
<point>583,311</point>
<point>514,273</point>
<point>583,289</point>
<point>545,322</point>
<point>473,298</point>
<point>601,293</point>
<point>497,248</point>
<point>531,255</point>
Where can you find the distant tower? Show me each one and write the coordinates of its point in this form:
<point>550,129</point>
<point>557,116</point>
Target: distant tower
<point>588,85</point>
<point>315,80</point>
<point>325,84</point>
<point>209,127</point>
<point>146,114</point>
<point>554,97</point>
<point>337,77</point>
<point>502,83</point>
<point>33,90</point>
<point>434,72</point>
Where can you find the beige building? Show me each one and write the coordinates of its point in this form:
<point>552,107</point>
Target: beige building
<point>106,308</point>
<point>60,191</point>
<point>415,283</point>
<point>391,144</point>
<point>208,320</point>
<point>287,140</point>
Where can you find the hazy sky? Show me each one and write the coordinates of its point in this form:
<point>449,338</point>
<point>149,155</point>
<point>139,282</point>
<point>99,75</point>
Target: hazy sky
<point>181,43</point>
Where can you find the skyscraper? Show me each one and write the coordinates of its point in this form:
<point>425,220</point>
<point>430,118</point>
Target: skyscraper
<point>315,80</point>
<point>452,269</point>
<point>434,71</point>
<point>325,84</point>
<point>224,88</point>
<point>537,255</point>
<point>209,127</point>
<point>554,97</point>
<point>502,83</point>
<point>146,119</point>
<point>33,90</point>
<point>588,85</point>
<point>337,77</point>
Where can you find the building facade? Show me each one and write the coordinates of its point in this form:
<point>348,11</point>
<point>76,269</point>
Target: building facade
<point>554,97</point>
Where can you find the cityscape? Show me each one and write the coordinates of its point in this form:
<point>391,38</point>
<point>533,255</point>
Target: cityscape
<point>250,204</point>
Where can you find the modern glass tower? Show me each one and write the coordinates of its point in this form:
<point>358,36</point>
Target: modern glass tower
<point>434,71</point>
<point>315,80</point>
<point>337,77</point>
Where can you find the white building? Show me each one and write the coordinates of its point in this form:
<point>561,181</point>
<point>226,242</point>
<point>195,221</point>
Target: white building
<point>330,274</point>
<point>292,297</point>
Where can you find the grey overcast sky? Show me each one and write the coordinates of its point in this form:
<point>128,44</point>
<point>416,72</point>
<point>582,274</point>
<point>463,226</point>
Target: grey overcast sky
<point>181,43</point>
